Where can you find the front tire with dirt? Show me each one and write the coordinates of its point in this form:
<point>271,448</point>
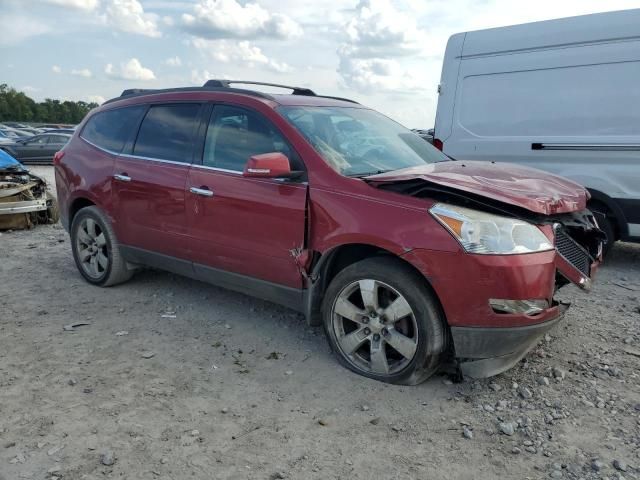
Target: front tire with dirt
<point>383,322</point>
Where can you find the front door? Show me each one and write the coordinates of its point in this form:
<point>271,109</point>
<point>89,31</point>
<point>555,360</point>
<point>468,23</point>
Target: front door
<point>250,227</point>
<point>33,149</point>
<point>149,182</point>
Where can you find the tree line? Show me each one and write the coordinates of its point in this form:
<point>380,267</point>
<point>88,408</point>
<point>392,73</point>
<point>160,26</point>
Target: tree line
<point>18,107</point>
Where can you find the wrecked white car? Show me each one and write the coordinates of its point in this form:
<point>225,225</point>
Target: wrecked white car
<point>24,197</point>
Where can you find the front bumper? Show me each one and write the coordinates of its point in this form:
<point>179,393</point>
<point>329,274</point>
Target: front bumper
<point>25,206</point>
<point>487,342</point>
<point>484,352</point>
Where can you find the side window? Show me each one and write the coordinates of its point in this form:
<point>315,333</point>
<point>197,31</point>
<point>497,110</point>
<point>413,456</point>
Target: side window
<point>40,140</point>
<point>57,139</point>
<point>112,128</point>
<point>235,134</point>
<point>167,132</point>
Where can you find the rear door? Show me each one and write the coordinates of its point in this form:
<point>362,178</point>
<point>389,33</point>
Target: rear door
<point>247,226</point>
<point>55,143</point>
<point>149,183</point>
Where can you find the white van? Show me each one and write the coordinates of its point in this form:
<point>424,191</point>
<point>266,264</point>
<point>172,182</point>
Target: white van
<point>560,95</point>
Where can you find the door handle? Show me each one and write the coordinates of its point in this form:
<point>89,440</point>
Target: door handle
<point>205,192</point>
<point>122,177</point>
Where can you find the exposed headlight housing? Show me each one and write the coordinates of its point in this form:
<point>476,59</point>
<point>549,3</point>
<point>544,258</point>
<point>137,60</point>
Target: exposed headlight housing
<point>489,234</point>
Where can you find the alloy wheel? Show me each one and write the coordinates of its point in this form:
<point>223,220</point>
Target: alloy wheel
<point>375,327</point>
<point>91,246</point>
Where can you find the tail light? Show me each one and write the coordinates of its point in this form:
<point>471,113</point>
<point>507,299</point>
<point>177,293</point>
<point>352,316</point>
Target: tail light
<point>57,157</point>
<point>438,144</point>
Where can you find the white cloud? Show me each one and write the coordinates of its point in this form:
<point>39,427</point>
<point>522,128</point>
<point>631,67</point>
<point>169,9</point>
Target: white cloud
<point>99,99</point>
<point>242,54</point>
<point>82,72</point>
<point>376,38</point>
<point>200,77</point>
<point>14,29</point>
<point>129,16</point>
<point>230,19</point>
<point>380,29</point>
<point>130,70</point>
<point>371,75</point>
<point>56,69</point>
<point>87,5</point>
<point>173,61</point>
<point>30,89</point>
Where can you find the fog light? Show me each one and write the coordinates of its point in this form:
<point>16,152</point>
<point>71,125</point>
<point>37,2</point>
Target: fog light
<point>528,307</point>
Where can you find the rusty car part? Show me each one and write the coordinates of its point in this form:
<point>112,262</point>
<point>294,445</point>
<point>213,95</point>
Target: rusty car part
<point>24,198</point>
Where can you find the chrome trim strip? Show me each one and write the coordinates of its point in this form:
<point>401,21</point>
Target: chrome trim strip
<point>206,167</point>
<point>111,152</point>
<point>586,146</point>
<point>161,160</point>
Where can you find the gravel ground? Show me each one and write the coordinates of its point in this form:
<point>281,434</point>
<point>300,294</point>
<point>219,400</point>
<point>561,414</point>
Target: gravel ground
<point>172,378</point>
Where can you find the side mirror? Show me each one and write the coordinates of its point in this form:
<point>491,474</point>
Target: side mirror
<point>268,165</point>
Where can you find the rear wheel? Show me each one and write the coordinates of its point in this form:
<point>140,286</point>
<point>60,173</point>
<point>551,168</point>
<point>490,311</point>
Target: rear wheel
<point>96,250</point>
<point>383,322</point>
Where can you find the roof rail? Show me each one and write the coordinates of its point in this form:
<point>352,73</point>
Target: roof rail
<point>218,83</point>
<point>136,92</point>
<point>224,86</point>
<point>295,90</point>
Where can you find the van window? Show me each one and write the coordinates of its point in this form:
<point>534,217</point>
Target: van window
<point>235,134</point>
<point>167,132</point>
<point>585,100</point>
<point>112,128</point>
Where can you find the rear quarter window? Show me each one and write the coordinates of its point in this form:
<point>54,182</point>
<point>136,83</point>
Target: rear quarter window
<point>111,129</point>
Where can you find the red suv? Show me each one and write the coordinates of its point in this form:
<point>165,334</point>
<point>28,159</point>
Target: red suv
<point>407,258</point>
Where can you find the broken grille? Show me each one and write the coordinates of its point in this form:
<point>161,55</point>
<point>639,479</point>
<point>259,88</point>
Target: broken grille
<point>572,251</point>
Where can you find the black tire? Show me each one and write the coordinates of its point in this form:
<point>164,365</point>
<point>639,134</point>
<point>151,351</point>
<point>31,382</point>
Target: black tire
<point>116,270</point>
<point>430,335</point>
<point>606,223</point>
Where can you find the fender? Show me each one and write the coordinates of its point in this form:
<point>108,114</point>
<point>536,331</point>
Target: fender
<point>317,279</point>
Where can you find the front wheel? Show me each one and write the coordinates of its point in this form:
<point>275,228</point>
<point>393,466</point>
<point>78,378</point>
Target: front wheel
<point>383,322</point>
<point>96,250</point>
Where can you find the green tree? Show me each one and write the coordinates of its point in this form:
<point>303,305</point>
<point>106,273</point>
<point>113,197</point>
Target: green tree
<point>18,107</point>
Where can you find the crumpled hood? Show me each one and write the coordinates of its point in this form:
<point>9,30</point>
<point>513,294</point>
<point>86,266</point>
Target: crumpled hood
<point>524,187</point>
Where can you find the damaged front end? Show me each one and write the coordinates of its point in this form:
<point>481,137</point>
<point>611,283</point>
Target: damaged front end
<point>575,235</point>
<point>24,198</point>
<point>510,303</point>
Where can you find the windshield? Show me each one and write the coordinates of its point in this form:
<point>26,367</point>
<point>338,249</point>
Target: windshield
<point>359,142</point>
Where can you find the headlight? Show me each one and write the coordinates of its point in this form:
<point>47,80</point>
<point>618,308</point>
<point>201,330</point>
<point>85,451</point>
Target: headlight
<point>482,232</point>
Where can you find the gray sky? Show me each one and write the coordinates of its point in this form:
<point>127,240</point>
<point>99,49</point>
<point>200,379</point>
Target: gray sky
<point>385,54</point>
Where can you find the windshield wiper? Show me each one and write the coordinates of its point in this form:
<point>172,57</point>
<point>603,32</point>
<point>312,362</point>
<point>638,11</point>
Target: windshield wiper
<point>367,174</point>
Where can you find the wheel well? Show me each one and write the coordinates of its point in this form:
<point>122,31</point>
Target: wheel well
<point>76,205</point>
<point>333,262</point>
<point>602,203</point>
